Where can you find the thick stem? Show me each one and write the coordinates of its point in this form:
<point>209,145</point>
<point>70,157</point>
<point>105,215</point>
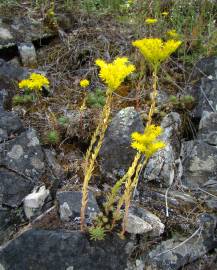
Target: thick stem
<point>92,155</point>
<point>127,176</point>
<point>97,131</point>
<point>128,194</point>
<point>153,97</point>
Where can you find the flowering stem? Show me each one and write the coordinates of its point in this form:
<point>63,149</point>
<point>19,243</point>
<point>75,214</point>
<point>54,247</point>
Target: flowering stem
<point>128,194</point>
<point>92,155</point>
<point>126,177</point>
<point>153,97</point>
<point>97,131</point>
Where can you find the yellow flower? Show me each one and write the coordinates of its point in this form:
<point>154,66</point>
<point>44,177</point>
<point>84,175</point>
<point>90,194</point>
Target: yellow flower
<point>34,82</point>
<point>155,50</point>
<point>147,143</point>
<point>84,83</point>
<point>165,13</point>
<point>172,33</point>
<point>151,21</point>
<point>113,74</point>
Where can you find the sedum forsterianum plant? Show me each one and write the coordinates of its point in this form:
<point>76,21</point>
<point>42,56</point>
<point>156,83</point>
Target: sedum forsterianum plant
<point>30,88</point>
<point>155,52</point>
<point>113,74</point>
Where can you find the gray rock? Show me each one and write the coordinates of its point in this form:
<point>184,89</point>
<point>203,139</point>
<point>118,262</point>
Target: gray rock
<point>65,212</point>
<point>162,97</point>
<point>10,219</point>
<point>3,135</point>
<point>28,54</point>
<point>73,201</point>
<point>174,253</point>
<point>136,225</point>
<point>176,200</point>
<point>12,72</point>
<point>20,29</point>
<point>23,155</point>
<point>161,167</point>
<point>10,123</point>
<point>205,94</point>
<point>211,203</point>
<point>57,170</point>
<point>199,163</point>
<point>208,128</point>
<point>13,188</point>
<point>205,67</point>
<point>58,250</point>
<point>5,226</point>
<point>3,98</point>
<point>181,198</point>
<point>116,153</point>
<point>150,218</point>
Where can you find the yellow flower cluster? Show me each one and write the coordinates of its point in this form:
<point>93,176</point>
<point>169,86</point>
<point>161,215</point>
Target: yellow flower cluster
<point>155,50</point>
<point>84,83</point>
<point>113,74</point>
<point>172,33</point>
<point>35,82</point>
<point>147,143</point>
<point>151,21</point>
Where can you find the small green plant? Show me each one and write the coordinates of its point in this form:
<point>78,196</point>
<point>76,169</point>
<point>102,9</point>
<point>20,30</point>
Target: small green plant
<point>96,99</point>
<point>23,99</point>
<point>53,137</point>
<point>97,233</point>
<point>183,102</point>
<point>63,121</point>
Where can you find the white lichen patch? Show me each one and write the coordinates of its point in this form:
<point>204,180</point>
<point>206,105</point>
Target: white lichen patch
<point>33,140</point>
<point>37,163</point>
<point>16,152</point>
<point>2,132</point>
<point>207,165</point>
<point>5,34</point>
<point>2,267</point>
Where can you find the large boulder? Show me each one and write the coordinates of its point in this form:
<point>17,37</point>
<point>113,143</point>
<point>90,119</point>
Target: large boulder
<point>60,250</point>
<point>116,153</point>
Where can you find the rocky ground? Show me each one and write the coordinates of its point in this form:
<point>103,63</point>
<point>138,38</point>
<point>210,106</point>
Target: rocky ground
<point>173,216</point>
